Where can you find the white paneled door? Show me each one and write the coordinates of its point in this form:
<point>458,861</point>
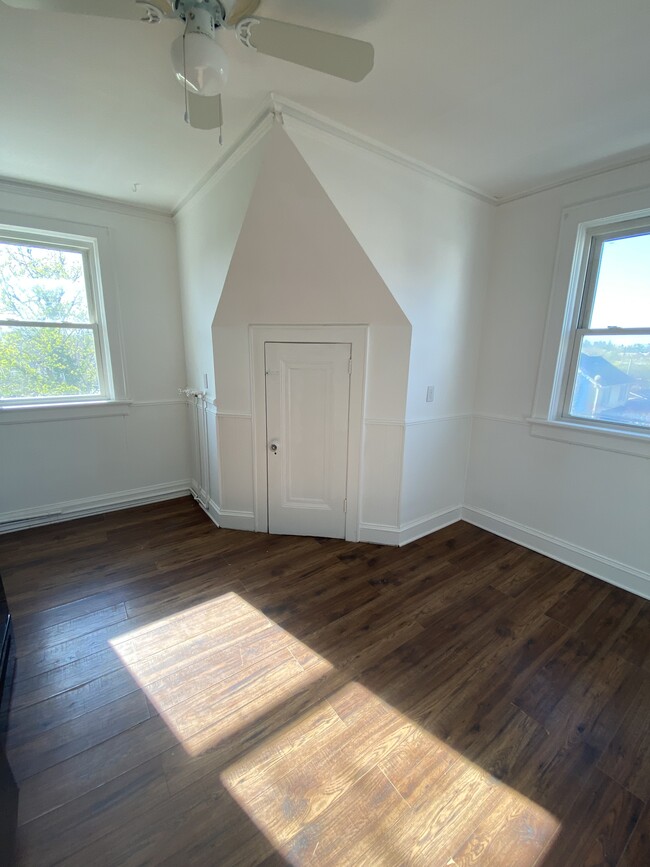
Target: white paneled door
<point>307,408</point>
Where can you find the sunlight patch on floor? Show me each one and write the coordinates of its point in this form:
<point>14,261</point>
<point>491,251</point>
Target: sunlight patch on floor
<point>356,782</point>
<point>216,668</point>
<point>350,780</point>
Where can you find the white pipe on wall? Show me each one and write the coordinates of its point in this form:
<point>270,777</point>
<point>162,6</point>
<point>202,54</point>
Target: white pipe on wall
<point>202,449</point>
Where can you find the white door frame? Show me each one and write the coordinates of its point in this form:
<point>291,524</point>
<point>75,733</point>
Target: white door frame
<point>357,337</point>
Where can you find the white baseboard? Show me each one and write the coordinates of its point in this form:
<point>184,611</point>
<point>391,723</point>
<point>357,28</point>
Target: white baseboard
<point>206,503</point>
<point>601,567</point>
<point>55,513</point>
<point>229,519</point>
<point>386,534</point>
<point>413,530</point>
<point>234,520</point>
<point>609,570</point>
<point>379,534</point>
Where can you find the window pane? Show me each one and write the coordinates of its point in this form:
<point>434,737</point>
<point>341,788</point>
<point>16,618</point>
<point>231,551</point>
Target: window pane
<point>46,362</point>
<point>42,285</point>
<point>613,380</point>
<point>623,288</point>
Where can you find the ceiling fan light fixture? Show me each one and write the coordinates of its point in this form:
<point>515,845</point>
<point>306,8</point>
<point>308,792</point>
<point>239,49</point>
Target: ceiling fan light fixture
<point>204,66</point>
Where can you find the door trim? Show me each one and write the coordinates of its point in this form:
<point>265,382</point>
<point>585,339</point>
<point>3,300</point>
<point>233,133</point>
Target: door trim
<point>357,337</point>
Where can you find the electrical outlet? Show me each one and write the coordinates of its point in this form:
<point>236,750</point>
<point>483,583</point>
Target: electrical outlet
<point>429,394</point>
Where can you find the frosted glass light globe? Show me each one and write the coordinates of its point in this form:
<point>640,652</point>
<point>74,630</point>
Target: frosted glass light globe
<point>206,63</point>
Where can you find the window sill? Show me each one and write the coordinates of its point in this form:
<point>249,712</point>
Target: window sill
<point>28,413</point>
<point>623,442</point>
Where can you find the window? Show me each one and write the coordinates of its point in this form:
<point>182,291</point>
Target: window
<point>608,363</point>
<point>593,386</point>
<point>53,341</point>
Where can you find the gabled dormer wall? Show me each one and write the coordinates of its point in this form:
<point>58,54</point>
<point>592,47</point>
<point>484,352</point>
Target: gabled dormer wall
<point>430,240</point>
<point>333,234</point>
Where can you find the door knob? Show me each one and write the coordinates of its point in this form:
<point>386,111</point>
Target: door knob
<point>274,446</point>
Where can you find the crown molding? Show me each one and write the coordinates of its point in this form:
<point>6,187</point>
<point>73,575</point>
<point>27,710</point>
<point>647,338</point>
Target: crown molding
<point>29,189</point>
<point>292,111</point>
<point>277,108</point>
<point>253,133</point>
<point>575,178</point>
<point>291,114</point>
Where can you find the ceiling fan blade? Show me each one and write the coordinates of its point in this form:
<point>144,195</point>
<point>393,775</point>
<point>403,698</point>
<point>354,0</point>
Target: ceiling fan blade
<point>204,112</point>
<point>241,9</point>
<point>130,9</point>
<point>326,52</point>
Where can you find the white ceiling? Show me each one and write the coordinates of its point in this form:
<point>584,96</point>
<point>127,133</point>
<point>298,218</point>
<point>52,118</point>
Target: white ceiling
<point>505,95</point>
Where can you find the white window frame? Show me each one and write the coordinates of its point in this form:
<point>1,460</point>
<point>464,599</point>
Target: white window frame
<point>94,243</point>
<point>582,227</point>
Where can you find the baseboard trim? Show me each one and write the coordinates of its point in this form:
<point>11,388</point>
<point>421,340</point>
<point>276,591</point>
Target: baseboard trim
<point>232,519</point>
<point>387,534</point>
<point>68,510</point>
<point>379,534</point>
<point>228,519</point>
<point>611,571</point>
<point>413,530</point>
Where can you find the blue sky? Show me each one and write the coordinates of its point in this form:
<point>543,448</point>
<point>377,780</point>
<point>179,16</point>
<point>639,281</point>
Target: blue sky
<point>623,293</point>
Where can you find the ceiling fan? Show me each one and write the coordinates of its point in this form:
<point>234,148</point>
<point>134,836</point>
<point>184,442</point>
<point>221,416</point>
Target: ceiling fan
<point>200,63</point>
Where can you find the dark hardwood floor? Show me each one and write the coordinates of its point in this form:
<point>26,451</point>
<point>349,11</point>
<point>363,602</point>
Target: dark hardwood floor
<point>189,695</point>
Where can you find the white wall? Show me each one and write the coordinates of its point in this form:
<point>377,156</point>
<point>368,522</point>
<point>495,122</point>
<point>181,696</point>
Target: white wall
<point>587,506</point>
<point>474,283</point>
<point>83,464</point>
<point>430,242</point>
<point>297,263</point>
<point>208,227</point>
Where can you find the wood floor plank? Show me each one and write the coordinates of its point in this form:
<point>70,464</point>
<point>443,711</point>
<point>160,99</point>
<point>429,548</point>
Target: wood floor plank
<point>638,845</point>
<point>444,811</point>
<point>74,737</point>
<point>288,796</point>
<point>63,613</point>
<point>328,839</point>
<point>55,836</point>
<point>627,758</point>
<point>77,627</point>
<point>187,695</point>
<point>598,826</point>
<point>28,722</point>
<point>513,833</point>
<point>573,607</point>
<point>509,746</point>
<point>92,768</point>
<point>634,642</point>
<point>292,746</point>
<point>30,690</point>
<point>577,669</point>
<point>480,704</point>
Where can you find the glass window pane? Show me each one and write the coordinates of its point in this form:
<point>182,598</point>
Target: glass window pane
<point>623,287</point>
<point>613,380</point>
<point>47,362</point>
<point>42,285</point>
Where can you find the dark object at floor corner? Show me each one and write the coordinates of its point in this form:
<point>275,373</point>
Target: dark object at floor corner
<point>8,788</point>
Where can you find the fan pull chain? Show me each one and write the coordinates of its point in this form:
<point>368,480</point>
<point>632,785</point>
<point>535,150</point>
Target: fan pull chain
<point>187,110</point>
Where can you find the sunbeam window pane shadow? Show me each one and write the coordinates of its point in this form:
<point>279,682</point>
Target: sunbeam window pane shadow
<point>335,775</point>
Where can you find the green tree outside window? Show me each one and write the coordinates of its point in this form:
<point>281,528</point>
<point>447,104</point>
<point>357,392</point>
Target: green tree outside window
<point>50,350</point>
